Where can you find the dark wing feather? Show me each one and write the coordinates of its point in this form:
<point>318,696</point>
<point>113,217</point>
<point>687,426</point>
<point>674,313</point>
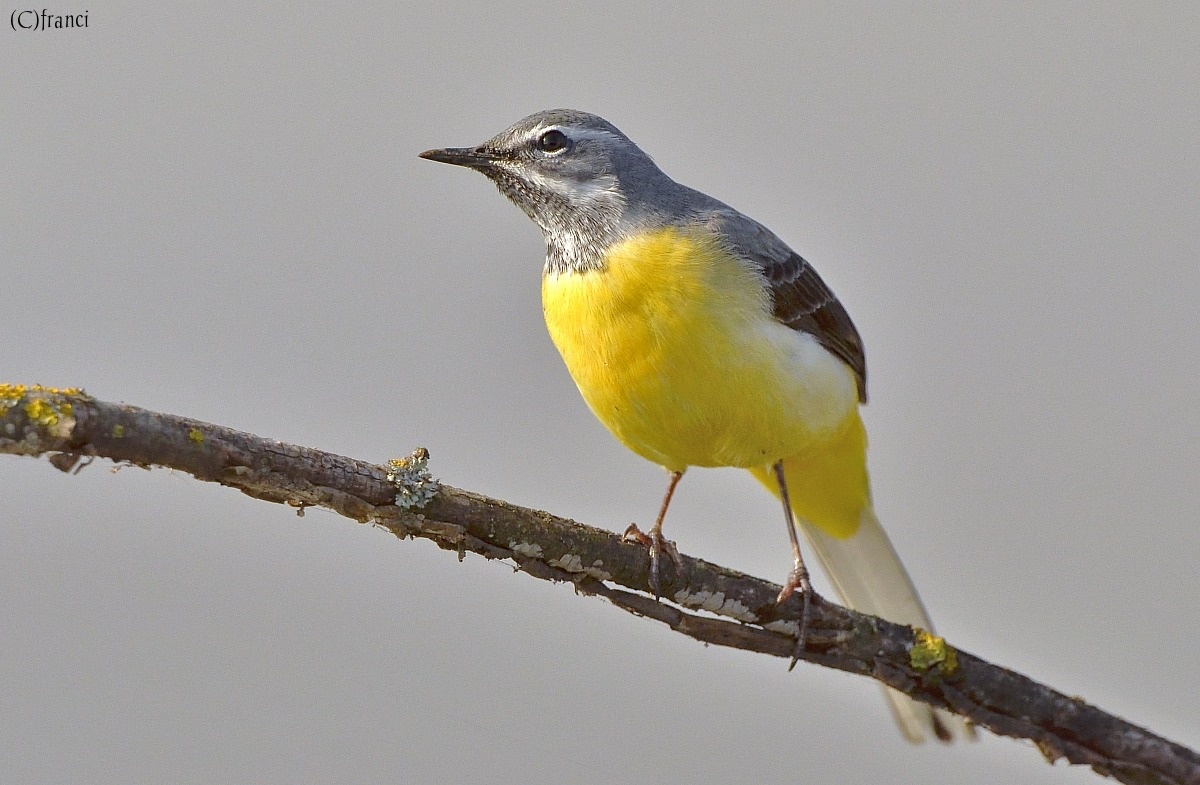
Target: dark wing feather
<point>802,301</point>
<point>799,298</point>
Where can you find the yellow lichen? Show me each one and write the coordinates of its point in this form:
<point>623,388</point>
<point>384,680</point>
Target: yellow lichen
<point>11,395</point>
<point>41,412</point>
<point>196,436</point>
<point>118,431</point>
<point>14,392</point>
<point>931,651</point>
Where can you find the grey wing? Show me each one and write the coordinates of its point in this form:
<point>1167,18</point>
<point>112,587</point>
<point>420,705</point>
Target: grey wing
<point>799,298</point>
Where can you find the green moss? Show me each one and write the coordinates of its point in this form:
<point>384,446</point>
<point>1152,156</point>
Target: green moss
<point>931,651</point>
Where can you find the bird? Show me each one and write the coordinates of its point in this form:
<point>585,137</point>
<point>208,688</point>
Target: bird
<point>699,338</point>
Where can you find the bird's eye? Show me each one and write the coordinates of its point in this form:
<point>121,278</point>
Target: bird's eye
<point>552,141</point>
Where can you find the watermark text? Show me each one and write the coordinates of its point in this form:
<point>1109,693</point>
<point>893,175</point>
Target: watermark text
<point>45,20</point>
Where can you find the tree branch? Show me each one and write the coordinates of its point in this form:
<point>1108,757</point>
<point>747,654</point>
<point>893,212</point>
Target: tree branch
<point>711,603</point>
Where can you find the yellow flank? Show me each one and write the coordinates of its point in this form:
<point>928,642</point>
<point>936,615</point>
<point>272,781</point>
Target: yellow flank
<point>829,487</point>
<point>674,348</point>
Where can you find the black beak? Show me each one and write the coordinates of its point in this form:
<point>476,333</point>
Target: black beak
<point>472,157</point>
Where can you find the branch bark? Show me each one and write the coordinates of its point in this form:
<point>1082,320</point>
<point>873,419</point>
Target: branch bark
<point>708,602</point>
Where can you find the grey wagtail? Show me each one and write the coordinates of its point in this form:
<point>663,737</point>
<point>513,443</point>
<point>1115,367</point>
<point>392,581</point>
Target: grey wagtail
<point>700,339</point>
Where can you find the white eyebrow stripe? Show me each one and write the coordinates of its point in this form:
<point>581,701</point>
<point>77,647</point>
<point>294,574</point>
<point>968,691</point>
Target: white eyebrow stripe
<point>574,133</point>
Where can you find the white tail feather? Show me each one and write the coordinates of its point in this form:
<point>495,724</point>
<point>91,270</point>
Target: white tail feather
<point>869,577</point>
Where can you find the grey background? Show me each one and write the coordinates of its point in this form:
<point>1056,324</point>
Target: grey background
<point>219,212</point>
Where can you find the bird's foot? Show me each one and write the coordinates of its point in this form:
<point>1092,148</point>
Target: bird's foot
<point>657,544</point>
<point>798,581</point>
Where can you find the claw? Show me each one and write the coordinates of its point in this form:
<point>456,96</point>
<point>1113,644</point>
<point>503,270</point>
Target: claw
<point>655,542</point>
<point>798,581</point>
<point>798,577</point>
<point>657,545</point>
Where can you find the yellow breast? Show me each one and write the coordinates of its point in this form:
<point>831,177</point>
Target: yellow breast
<point>673,347</point>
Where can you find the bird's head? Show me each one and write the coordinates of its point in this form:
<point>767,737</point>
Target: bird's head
<point>575,174</point>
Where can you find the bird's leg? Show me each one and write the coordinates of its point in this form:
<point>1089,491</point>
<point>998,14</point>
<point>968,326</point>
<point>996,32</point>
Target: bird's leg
<point>655,542</point>
<point>798,577</point>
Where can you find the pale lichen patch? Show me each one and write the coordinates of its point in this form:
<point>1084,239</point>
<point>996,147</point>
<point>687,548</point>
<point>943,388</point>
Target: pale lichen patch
<point>715,602</point>
<point>569,562</point>
<point>598,572</point>
<point>415,486</point>
<point>783,627</point>
<point>530,549</point>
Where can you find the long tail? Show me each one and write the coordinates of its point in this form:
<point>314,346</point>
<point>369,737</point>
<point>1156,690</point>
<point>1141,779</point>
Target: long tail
<point>831,500</point>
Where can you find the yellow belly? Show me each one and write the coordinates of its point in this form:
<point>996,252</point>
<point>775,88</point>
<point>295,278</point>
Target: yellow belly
<point>673,347</point>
